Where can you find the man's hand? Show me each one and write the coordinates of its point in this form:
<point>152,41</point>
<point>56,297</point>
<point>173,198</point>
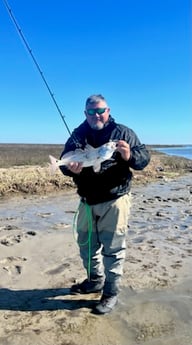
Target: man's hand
<point>75,167</point>
<point>124,149</point>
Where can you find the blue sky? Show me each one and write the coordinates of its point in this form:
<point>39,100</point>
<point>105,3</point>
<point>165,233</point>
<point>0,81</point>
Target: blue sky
<point>135,52</point>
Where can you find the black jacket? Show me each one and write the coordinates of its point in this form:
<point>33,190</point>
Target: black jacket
<point>114,178</point>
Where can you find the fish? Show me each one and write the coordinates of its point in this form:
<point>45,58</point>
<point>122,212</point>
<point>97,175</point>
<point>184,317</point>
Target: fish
<point>89,156</point>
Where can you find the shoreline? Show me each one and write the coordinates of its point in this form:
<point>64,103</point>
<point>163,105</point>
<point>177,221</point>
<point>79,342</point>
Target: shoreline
<point>38,180</point>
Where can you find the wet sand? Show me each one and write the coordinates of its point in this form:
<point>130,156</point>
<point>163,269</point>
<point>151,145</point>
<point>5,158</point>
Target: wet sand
<point>39,261</point>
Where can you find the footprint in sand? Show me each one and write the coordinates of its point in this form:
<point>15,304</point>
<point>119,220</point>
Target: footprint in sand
<point>12,264</point>
<point>189,251</point>
<point>44,214</point>
<point>8,227</point>
<point>8,237</point>
<point>138,239</point>
<point>132,259</point>
<point>11,240</point>
<point>177,264</point>
<point>58,226</point>
<point>58,269</point>
<point>7,218</point>
<point>148,266</point>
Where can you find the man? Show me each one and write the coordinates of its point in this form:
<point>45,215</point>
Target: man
<point>105,200</point>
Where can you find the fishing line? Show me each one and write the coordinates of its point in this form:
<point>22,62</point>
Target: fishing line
<point>87,221</point>
<point>19,31</point>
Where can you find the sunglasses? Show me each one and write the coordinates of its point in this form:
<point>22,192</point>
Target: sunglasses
<point>98,111</point>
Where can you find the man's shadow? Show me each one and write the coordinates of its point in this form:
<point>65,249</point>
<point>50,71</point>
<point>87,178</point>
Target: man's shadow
<point>45,299</point>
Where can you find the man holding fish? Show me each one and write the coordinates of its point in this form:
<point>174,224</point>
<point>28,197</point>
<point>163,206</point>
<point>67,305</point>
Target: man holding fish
<point>104,197</point>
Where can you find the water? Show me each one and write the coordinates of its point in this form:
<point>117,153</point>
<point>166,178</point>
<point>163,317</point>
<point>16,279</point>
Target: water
<point>155,304</point>
<point>181,151</point>
<point>155,317</point>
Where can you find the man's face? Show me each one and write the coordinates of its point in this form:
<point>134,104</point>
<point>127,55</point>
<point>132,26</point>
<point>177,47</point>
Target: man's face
<point>97,115</point>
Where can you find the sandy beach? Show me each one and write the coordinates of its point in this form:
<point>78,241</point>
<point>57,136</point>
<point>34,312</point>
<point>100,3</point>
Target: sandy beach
<point>39,261</point>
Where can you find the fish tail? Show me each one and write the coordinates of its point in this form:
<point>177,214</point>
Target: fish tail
<point>54,164</point>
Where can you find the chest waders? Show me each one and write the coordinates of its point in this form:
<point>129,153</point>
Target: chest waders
<point>88,219</point>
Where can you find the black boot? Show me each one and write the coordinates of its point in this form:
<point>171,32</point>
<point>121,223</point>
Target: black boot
<point>88,286</point>
<point>106,304</point>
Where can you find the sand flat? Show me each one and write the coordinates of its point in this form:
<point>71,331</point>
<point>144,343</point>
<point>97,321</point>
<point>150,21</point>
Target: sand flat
<point>39,261</point>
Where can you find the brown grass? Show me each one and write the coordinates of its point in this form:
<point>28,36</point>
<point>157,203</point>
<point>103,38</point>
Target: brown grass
<point>24,169</point>
<point>27,154</point>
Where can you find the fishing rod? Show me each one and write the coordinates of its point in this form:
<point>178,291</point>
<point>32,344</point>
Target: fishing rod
<point>19,31</point>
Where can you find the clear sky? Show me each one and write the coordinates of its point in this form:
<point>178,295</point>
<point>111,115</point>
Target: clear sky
<point>135,52</point>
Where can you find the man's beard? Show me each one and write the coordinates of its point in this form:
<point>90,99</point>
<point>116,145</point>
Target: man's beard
<point>97,126</point>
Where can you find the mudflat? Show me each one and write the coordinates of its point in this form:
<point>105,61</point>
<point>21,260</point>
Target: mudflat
<point>39,260</point>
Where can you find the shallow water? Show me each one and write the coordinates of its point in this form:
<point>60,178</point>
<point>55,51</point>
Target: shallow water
<point>40,213</point>
<point>161,215</point>
<point>156,317</point>
<point>163,210</point>
<point>182,151</point>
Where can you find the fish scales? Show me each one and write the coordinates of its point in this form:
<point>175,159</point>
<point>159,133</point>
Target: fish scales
<point>90,156</point>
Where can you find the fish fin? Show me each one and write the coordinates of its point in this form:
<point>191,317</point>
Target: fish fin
<point>54,164</point>
<point>97,167</point>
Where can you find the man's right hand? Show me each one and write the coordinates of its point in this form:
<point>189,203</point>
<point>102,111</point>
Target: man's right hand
<point>75,167</point>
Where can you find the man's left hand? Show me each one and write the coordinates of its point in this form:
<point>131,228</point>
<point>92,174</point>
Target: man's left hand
<point>124,148</point>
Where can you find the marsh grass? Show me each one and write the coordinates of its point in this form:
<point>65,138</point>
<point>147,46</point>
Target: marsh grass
<point>27,154</point>
<point>175,163</point>
<point>24,169</point>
